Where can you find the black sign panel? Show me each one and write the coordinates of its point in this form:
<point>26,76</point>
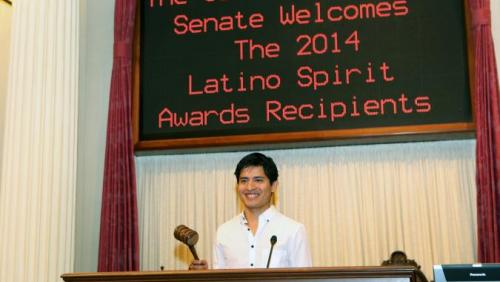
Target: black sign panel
<point>244,67</point>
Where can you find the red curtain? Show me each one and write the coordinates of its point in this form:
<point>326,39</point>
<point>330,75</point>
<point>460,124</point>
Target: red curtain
<point>119,240</point>
<point>487,113</point>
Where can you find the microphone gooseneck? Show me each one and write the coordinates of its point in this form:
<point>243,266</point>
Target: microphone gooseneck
<point>274,239</point>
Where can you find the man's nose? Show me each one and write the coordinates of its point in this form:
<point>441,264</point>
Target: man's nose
<point>250,185</point>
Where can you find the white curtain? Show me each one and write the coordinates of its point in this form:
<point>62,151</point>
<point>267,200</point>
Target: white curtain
<point>38,180</point>
<point>358,203</point>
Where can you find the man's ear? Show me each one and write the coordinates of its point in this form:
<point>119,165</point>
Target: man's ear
<point>274,186</point>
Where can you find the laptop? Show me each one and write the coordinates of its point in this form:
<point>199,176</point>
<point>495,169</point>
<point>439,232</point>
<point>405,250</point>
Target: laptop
<point>467,272</point>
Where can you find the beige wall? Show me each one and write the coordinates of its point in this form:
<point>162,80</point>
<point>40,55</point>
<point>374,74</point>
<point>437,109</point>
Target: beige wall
<point>5,19</point>
<point>96,55</point>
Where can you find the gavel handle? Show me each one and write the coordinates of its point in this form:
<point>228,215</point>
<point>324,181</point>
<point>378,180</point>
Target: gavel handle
<point>193,251</point>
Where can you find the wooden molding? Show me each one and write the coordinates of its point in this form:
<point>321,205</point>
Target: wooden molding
<point>289,137</point>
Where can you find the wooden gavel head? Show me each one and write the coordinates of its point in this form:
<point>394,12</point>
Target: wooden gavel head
<point>186,235</point>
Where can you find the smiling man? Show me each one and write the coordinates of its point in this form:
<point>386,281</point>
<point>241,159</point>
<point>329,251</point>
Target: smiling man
<point>245,240</point>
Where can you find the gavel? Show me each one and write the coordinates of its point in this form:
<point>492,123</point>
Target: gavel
<point>187,236</point>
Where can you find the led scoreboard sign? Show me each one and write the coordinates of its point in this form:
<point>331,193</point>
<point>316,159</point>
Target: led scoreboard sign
<point>241,72</point>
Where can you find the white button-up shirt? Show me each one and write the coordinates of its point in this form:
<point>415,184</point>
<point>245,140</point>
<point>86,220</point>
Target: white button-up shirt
<point>237,247</point>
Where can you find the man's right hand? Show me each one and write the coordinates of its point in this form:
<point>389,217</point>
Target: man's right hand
<point>198,265</point>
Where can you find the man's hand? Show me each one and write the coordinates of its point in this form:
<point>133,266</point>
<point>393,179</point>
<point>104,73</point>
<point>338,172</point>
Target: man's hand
<point>198,265</point>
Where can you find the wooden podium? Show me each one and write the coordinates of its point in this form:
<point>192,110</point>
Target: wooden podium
<point>313,274</point>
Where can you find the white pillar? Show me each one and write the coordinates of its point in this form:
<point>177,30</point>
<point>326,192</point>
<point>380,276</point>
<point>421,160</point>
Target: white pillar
<point>5,23</point>
<point>38,181</point>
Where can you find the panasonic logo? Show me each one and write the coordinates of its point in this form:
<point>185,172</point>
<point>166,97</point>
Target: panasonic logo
<point>477,274</point>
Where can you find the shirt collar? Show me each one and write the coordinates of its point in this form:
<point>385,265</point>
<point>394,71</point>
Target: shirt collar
<point>267,215</point>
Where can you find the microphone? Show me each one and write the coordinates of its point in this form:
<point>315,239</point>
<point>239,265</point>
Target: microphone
<point>274,239</point>
<point>187,236</point>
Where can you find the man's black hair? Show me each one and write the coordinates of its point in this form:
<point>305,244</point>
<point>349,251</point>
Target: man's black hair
<point>258,159</point>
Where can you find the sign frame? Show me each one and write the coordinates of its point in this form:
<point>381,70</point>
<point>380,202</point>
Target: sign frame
<point>387,134</point>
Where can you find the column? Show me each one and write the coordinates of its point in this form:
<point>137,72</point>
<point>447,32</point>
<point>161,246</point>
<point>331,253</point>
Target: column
<point>38,178</point>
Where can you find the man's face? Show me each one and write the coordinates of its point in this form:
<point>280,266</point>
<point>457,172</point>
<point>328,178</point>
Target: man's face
<point>255,189</point>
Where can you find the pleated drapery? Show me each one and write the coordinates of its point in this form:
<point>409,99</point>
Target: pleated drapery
<point>119,241</point>
<point>358,203</point>
<point>487,115</point>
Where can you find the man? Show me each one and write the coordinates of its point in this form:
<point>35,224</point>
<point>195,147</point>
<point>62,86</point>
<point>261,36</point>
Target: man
<point>245,240</point>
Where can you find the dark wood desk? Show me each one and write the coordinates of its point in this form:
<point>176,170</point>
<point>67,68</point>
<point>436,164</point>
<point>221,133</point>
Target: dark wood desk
<point>313,274</point>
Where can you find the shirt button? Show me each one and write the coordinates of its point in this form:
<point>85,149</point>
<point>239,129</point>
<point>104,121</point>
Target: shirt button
<point>251,264</point>
<point>251,246</point>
